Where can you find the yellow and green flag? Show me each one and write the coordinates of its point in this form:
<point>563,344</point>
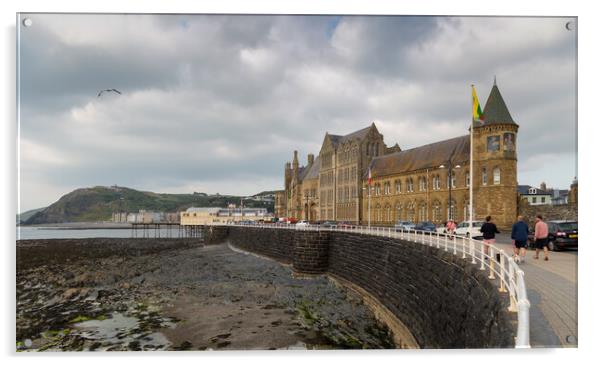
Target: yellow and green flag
<point>477,114</point>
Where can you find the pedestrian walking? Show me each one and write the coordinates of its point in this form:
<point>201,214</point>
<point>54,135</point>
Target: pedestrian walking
<point>541,237</point>
<point>450,227</point>
<point>520,235</point>
<point>489,229</point>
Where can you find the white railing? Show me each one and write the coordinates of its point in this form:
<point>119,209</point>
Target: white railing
<point>497,262</point>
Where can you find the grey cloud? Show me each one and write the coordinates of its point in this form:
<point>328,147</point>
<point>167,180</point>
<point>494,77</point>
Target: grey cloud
<point>212,98</point>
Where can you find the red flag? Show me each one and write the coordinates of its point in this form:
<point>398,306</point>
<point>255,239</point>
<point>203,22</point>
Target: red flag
<point>369,176</point>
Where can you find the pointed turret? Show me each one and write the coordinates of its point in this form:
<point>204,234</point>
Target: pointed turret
<point>496,111</point>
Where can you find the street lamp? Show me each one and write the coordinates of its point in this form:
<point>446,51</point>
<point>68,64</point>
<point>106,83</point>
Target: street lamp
<point>369,188</point>
<point>306,196</point>
<point>449,175</point>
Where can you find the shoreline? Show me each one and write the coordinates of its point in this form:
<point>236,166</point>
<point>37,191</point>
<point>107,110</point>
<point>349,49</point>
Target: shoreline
<point>178,294</point>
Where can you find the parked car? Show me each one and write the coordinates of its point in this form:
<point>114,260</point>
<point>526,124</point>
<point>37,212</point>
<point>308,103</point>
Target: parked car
<point>302,223</point>
<point>404,226</point>
<point>426,226</point>
<point>328,224</point>
<point>463,229</point>
<point>561,234</point>
<point>347,225</point>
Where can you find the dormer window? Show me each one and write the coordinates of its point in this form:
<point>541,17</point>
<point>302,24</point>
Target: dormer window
<point>532,191</point>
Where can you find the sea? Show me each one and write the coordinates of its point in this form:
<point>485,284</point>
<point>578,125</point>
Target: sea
<point>31,233</point>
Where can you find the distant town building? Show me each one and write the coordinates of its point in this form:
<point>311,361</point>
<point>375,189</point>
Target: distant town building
<point>572,199</point>
<point>144,216</point>
<point>534,196</point>
<point>204,216</point>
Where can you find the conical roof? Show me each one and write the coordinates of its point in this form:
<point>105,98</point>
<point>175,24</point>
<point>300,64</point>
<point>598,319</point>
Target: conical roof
<point>495,111</point>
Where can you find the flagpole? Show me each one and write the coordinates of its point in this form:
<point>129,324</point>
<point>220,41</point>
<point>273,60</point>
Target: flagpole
<point>471,165</point>
<point>369,199</point>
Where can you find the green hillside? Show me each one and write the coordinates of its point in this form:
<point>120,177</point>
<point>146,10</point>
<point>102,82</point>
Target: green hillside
<point>99,203</point>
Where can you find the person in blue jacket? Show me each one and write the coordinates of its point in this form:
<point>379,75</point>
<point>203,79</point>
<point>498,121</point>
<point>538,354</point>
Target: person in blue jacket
<point>520,235</point>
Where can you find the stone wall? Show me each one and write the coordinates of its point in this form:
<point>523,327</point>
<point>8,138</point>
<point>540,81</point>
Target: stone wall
<point>548,212</point>
<point>445,301</point>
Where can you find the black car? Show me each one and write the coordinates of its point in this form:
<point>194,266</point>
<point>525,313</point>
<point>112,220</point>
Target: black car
<point>561,235</point>
<point>426,226</point>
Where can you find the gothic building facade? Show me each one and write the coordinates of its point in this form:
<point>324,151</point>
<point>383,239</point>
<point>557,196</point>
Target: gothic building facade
<point>414,184</point>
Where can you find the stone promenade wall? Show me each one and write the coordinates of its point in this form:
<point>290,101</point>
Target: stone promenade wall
<point>548,212</point>
<point>445,301</point>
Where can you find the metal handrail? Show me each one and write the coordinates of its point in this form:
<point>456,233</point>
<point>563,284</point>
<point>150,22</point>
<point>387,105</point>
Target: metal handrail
<point>506,271</point>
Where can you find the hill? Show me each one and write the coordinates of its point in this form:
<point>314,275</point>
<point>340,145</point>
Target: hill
<point>26,215</point>
<point>98,204</point>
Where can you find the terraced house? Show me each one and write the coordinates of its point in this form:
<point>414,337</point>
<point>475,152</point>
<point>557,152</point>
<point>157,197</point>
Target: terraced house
<point>414,184</point>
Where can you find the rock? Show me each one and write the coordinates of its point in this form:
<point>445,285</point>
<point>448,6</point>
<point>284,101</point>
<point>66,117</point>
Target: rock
<point>27,342</point>
<point>70,293</point>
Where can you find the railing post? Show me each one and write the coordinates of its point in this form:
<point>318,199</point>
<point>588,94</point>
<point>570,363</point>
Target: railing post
<point>482,256</point>
<point>472,255</point>
<point>491,264</point>
<point>502,263</point>
<point>455,243</point>
<point>522,332</point>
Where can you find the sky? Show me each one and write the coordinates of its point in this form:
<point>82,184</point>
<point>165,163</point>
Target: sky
<point>217,103</point>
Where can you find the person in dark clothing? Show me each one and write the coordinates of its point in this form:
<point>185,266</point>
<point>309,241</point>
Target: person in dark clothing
<point>489,230</point>
<point>520,235</point>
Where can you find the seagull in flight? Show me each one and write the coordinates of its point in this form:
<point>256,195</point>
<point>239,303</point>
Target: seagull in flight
<point>108,91</point>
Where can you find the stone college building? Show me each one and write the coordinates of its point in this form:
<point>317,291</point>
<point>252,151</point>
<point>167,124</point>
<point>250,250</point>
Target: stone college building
<point>413,184</point>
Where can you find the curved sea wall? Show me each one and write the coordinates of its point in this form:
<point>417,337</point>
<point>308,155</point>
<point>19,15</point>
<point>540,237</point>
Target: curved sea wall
<point>442,299</point>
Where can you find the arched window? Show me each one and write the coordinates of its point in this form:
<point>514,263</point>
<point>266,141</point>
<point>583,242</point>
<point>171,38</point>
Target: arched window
<point>397,186</point>
<point>388,217</point>
<point>411,212</point>
<point>377,189</point>
<point>452,213</point>
<point>398,211</point>
<point>377,213</point>
<point>496,176</point>
<point>436,182</point>
<point>484,176</point>
<point>453,179</point>
<point>422,183</point>
<point>422,211</point>
<point>436,211</point>
<point>467,179</point>
<point>410,185</point>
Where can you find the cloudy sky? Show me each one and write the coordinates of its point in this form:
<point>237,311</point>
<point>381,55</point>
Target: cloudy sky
<point>218,103</point>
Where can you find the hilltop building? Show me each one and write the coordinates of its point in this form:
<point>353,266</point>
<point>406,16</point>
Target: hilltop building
<point>410,184</point>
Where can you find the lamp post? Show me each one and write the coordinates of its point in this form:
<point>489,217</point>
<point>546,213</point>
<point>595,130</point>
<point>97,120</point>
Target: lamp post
<point>449,175</point>
<point>306,196</point>
<point>369,188</point>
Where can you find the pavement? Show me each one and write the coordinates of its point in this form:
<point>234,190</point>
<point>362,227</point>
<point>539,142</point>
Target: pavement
<point>552,291</point>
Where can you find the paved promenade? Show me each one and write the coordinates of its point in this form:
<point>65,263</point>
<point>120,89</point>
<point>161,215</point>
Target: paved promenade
<point>552,291</point>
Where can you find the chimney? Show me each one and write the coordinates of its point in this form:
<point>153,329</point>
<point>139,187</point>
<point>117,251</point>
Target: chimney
<point>543,186</point>
<point>295,167</point>
<point>310,159</point>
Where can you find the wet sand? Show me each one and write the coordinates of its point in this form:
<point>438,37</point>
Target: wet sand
<point>176,294</point>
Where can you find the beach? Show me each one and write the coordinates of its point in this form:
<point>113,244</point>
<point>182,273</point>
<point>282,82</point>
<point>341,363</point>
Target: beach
<point>119,294</point>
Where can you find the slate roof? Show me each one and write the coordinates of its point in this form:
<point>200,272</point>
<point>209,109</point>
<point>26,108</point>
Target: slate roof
<point>359,134</point>
<point>428,156</point>
<point>496,111</point>
<point>524,190</point>
<point>311,172</point>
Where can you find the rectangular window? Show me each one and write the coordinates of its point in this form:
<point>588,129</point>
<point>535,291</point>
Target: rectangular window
<point>543,199</point>
<point>533,200</point>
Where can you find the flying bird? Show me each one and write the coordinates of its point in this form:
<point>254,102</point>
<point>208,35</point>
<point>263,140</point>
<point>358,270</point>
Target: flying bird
<point>108,91</point>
